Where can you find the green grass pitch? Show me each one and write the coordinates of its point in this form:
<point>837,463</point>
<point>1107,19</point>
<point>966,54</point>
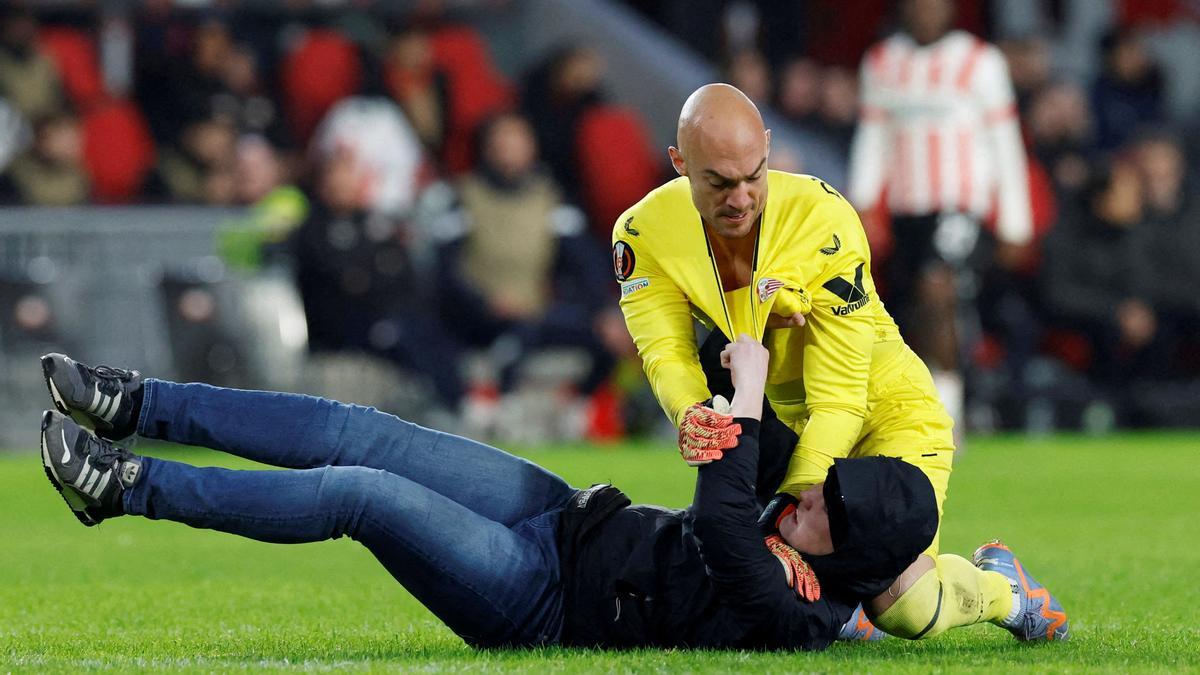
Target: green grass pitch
<point>1110,525</point>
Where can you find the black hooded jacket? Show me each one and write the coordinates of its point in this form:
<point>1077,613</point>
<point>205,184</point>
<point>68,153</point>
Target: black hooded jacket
<point>697,577</point>
<point>702,576</point>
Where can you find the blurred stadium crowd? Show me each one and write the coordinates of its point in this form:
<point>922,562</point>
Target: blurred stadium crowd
<point>437,212</point>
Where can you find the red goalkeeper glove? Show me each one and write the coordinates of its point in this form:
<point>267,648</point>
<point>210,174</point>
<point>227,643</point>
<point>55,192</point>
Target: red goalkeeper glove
<point>800,576</point>
<point>706,432</point>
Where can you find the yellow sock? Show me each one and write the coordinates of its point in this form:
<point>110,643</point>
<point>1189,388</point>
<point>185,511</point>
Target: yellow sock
<point>953,593</point>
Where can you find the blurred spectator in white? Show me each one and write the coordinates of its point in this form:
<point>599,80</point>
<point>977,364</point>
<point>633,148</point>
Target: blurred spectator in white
<point>51,172</point>
<point>1059,122</point>
<point>28,79</point>
<point>200,169</point>
<point>517,268</point>
<point>388,151</point>
<point>1092,270</point>
<point>748,70</point>
<point>1129,91</point>
<point>939,136</point>
<point>360,289</point>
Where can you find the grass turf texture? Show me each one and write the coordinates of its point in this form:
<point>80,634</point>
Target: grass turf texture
<point>1108,524</point>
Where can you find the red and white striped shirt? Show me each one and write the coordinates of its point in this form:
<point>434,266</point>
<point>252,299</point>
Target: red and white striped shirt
<point>939,131</point>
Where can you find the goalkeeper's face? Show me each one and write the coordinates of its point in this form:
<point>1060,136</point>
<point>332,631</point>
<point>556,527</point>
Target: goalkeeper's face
<point>730,191</point>
<point>807,528</point>
<point>726,165</point>
<point>722,150</point>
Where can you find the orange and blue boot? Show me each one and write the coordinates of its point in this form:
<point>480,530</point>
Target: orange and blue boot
<point>1038,616</point>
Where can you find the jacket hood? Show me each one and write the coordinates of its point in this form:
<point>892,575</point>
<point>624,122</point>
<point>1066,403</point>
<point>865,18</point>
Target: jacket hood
<point>882,515</point>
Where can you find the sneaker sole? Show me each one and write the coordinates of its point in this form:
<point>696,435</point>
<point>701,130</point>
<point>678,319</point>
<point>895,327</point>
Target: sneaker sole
<point>64,491</point>
<point>55,394</point>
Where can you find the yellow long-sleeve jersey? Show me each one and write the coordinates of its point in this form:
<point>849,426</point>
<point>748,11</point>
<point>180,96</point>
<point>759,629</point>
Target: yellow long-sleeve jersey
<point>825,379</point>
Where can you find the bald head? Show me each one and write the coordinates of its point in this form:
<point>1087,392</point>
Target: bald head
<point>718,116</point>
<point>722,150</point>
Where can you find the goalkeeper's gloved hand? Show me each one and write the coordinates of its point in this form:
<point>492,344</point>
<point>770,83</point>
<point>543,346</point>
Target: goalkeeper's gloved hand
<point>800,576</point>
<point>706,432</point>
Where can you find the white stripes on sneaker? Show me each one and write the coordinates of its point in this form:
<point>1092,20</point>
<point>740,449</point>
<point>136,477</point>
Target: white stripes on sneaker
<point>104,406</point>
<point>92,481</point>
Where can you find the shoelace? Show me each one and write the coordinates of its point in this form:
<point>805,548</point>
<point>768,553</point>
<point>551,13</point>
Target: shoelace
<point>103,455</point>
<point>116,373</point>
<point>109,378</point>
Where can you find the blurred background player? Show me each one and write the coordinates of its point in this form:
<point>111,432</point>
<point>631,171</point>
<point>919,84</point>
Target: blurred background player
<point>938,147</point>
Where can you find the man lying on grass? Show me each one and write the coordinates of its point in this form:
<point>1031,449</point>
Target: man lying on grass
<point>501,550</point>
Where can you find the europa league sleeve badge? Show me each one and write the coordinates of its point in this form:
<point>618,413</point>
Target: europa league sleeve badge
<point>623,260</point>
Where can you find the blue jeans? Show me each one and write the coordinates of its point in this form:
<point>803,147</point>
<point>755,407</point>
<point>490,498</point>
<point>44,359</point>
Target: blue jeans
<point>468,529</point>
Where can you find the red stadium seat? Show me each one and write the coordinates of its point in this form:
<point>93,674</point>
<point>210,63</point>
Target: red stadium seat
<point>321,70</point>
<point>476,91</point>
<point>616,163</point>
<point>117,151</point>
<point>1073,349</point>
<point>74,54</point>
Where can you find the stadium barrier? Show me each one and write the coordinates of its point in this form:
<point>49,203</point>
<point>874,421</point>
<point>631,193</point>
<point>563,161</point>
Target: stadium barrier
<point>141,287</point>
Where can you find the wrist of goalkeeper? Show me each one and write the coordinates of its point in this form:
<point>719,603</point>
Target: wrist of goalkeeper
<point>707,431</point>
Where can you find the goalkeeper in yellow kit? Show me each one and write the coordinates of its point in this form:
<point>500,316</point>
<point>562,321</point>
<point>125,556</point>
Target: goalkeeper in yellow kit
<point>794,271</point>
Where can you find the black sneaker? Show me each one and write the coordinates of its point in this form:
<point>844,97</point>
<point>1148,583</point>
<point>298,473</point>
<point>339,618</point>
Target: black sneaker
<point>90,473</point>
<point>101,398</point>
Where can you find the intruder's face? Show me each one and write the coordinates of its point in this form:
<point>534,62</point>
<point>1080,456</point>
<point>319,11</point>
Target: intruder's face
<point>510,148</point>
<point>807,528</point>
<point>928,20</point>
<point>728,180</point>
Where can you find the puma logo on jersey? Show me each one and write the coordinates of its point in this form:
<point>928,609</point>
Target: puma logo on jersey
<point>837,246</point>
